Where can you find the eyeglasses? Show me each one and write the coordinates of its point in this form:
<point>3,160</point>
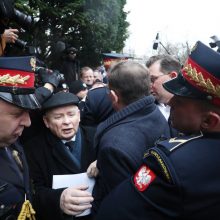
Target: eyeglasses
<point>155,78</point>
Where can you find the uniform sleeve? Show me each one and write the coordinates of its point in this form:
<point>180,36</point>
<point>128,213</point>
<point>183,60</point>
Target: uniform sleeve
<point>158,185</point>
<point>42,94</point>
<point>148,195</point>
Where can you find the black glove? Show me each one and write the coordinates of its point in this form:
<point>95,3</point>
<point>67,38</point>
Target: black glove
<point>49,76</point>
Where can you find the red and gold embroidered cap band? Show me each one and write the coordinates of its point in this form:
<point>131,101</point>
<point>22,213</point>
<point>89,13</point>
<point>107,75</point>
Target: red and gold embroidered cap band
<point>17,74</point>
<point>200,76</point>
<point>111,58</point>
<point>17,81</point>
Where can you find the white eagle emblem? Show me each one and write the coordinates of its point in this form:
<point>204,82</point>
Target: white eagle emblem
<point>143,178</point>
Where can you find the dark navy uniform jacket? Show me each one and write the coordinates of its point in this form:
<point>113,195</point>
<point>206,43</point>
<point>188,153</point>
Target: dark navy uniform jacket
<point>179,179</point>
<point>13,185</point>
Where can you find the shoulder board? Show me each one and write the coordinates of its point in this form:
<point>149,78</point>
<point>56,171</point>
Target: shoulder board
<point>174,143</point>
<point>96,88</point>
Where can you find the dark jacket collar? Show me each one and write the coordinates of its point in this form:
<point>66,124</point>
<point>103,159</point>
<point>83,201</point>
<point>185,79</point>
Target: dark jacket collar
<point>146,104</point>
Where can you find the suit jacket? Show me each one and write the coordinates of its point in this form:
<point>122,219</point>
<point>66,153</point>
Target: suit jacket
<point>13,186</point>
<point>47,156</point>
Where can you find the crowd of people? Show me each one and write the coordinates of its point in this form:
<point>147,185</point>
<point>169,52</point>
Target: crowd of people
<point>149,137</point>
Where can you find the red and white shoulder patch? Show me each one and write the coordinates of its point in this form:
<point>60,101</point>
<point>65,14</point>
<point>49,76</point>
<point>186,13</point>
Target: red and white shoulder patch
<point>143,178</point>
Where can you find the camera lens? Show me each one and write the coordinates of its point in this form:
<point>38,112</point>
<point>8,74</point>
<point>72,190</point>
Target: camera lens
<point>20,43</point>
<point>22,19</point>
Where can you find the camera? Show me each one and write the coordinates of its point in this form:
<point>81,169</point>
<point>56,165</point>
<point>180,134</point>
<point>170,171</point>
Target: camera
<point>25,21</point>
<point>30,50</point>
<point>9,13</point>
<point>21,44</point>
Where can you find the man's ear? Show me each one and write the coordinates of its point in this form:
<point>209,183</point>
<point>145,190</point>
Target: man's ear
<point>173,74</point>
<point>114,96</point>
<point>79,114</point>
<point>210,121</point>
<point>45,121</point>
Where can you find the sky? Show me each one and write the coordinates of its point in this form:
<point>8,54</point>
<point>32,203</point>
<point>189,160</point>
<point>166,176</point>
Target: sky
<point>176,21</point>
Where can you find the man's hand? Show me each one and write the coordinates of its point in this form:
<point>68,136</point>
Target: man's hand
<point>92,170</point>
<point>49,76</point>
<point>10,35</point>
<point>74,201</point>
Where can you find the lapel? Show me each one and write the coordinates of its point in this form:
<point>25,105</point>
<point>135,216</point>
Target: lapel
<point>19,148</point>
<point>9,173</point>
<point>61,154</point>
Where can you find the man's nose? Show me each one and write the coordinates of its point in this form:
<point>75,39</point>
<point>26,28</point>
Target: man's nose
<point>66,119</point>
<point>26,121</point>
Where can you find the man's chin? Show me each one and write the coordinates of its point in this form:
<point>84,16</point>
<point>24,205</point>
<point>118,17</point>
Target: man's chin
<point>11,141</point>
<point>68,137</point>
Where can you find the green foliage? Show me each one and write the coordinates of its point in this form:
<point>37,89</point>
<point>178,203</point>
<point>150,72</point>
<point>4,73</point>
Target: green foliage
<point>92,26</point>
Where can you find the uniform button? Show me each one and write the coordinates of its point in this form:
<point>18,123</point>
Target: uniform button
<point>209,97</point>
<point>2,206</point>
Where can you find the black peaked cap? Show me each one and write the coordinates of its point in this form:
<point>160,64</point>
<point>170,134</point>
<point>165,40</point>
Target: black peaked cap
<point>60,99</point>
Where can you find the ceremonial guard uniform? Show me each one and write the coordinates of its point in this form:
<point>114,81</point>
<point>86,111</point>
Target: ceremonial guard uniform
<point>179,177</point>
<point>16,88</point>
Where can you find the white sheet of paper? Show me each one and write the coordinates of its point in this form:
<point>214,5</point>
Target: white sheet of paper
<point>74,180</point>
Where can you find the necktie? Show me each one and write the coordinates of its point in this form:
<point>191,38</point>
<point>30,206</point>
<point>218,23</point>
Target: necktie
<point>70,145</point>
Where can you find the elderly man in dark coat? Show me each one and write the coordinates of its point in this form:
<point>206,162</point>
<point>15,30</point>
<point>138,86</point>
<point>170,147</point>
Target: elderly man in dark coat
<point>123,138</point>
<point>62,148</point>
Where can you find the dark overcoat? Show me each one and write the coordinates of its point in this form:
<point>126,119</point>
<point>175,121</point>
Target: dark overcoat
<point>122,140</point>
<point>47,156</point>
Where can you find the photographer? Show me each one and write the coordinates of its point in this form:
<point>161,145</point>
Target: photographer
<point>8,35</point>
<point>69,65</point>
